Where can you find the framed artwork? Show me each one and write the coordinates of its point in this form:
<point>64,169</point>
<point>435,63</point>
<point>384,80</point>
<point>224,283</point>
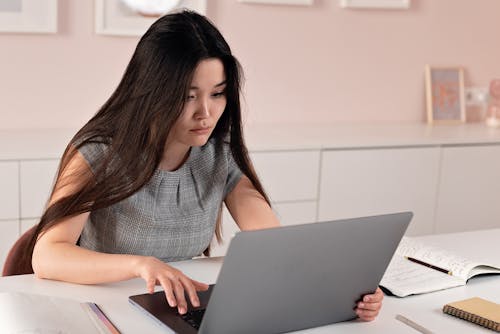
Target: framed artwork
<point>28,16</point>
<point>134,17</point>
<point>375,4</point>
<point>445,94</point>
<point>280,2</point>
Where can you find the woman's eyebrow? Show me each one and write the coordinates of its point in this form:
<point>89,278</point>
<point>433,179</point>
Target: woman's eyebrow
<point>216,86</point>
<point>221,84</point>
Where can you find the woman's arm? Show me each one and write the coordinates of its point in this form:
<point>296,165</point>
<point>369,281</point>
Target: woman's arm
<point>249,208</point>
<point>56,255</point>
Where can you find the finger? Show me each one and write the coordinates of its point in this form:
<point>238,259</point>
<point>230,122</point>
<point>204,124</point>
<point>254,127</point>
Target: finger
<point>150,284</point>
<point>190,290</point>
<point>366,314</point>
<point>179,295</point>
<point>367,318</point>
<point>199,286</point>
<point>369,306</point>
<point>167,288</point>
<point>375,297</point>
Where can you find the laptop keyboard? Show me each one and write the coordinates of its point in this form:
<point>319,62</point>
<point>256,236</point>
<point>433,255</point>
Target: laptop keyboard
<point>194,317</point>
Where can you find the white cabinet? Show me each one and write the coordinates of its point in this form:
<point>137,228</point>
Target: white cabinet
<point>37,178</point>
<point>9,190</point>
<point>288,175</point>
<point>448,176</point>
<point>9,233</point>
<point>363,182</point>
<point>26,224</point>
<point>296,212</point>
<point>25,189</point>
<point>469,189</point>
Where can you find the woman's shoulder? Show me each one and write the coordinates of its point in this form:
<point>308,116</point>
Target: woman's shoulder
<point>92,149</point>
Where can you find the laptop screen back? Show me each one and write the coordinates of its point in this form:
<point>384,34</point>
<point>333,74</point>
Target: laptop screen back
<point>301,276</point>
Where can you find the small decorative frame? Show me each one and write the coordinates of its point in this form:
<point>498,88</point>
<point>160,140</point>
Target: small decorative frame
<point>445,94</point>
<point>28,16</point>
<point>112,17</point>
<point>375,4</point>
<point>281,2</point>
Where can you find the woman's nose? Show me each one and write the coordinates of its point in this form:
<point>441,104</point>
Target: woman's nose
<point>203,110</point>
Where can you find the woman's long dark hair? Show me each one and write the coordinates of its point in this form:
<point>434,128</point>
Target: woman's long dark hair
<point>135,121</point>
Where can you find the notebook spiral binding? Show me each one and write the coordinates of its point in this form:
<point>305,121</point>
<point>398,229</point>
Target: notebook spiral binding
<point>472,318</point>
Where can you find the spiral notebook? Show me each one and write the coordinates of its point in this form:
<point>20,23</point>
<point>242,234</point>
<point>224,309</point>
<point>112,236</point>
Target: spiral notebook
<point>477,310</point>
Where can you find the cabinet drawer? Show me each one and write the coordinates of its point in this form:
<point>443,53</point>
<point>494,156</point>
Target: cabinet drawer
<point>288,176</point>
<point>26,224</point>
<point>358,183</point>
<point>296,213</point>
<point>37,178</point>
<point>9,190</point>
<point>469,189</point>
<point>9,233</point>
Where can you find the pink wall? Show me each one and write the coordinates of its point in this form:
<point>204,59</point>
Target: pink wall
<point>303,64</point>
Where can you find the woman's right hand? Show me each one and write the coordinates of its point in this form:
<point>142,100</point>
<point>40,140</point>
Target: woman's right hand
<point>173,281</point>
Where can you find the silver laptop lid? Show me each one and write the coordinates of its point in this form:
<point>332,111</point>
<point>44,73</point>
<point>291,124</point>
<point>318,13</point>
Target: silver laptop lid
<point>301,276</point>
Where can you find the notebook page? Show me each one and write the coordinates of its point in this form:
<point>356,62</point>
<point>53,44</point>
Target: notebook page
<point>404,278</point>
<point>30,313</point>
<point>460,266</point>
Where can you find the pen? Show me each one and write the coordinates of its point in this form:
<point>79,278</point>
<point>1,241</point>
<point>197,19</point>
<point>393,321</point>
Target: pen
<point>429,265</point>
<point>102,317</point>
<point>413,324</point>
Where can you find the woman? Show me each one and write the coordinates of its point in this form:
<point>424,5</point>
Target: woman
<point>143,182</point>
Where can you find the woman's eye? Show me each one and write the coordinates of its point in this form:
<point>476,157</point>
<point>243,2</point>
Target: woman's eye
<point>190,97</point>
<point>218,94</point>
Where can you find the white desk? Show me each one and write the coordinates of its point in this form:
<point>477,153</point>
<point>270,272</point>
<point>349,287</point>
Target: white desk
<point>423,309</point>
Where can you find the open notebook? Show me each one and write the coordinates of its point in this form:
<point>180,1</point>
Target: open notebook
<point>418,268</point>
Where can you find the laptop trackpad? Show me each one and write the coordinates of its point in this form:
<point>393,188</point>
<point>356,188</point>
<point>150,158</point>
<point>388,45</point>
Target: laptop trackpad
<point>156,306</point>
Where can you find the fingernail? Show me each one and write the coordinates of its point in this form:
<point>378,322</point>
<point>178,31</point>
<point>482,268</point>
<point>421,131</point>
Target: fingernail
<point>182,310</point>
<point>366,299</point>
<point>361,305</point>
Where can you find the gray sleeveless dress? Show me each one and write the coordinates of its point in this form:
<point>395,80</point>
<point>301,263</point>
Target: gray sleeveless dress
<point>173,216</point>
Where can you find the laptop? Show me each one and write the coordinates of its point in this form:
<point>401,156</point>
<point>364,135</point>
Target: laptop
<point>289,278</point>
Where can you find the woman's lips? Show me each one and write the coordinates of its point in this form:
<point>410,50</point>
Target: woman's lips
<point>201,131</point>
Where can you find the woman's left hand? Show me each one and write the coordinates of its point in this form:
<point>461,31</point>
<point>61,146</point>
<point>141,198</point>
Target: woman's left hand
<point>368,308</point>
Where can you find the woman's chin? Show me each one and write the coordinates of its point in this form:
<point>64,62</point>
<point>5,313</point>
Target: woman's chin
<point>200,141</point>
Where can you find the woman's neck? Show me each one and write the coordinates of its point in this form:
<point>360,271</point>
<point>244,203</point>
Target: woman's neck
<point>174,156</point>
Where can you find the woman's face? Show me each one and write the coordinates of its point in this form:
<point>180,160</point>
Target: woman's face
<point>204,105</point>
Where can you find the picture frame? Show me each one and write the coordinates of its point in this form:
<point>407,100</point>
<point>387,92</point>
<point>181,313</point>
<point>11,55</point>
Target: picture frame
<point>28,16</point>
<point>375,4</point>
<point>280,2</point>
<point>445,94</point>
<point>112,17</point>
